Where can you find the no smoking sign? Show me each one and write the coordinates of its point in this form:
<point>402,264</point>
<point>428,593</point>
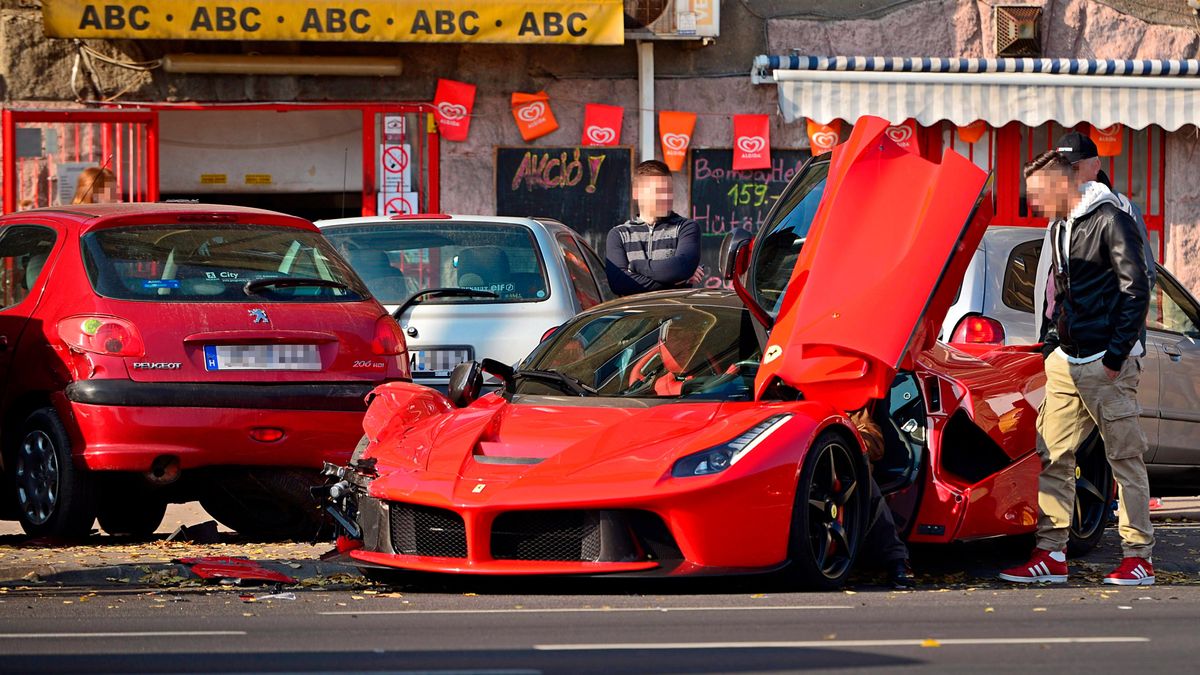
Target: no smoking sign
<point>395,176</point>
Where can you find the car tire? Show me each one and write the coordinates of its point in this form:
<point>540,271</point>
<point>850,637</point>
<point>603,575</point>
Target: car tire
<point>829,517</point>
<point>265,504</point>
<point>137,514</point>
<point>54,497</point>
<point>1095,491</point>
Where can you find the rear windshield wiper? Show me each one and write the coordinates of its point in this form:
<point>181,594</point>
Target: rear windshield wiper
<point>563,381</point>
<point>428,293</point>
<point>254,286</point>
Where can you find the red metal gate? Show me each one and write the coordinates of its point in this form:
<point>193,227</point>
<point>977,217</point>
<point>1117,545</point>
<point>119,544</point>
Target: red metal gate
<point>46,150</point>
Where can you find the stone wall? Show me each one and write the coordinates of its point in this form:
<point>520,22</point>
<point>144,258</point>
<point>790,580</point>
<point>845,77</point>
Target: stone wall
<point>1182,217</point>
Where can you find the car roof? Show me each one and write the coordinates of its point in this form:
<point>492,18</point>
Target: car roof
<point>90,216</point>
<point>539,223</point>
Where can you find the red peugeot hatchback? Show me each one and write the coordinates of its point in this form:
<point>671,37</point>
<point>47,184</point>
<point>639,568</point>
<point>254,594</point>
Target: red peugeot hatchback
<point>156,353</point>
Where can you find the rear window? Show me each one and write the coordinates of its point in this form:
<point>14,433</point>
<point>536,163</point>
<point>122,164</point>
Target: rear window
<point>398,260</point>
<point>1020,275</point>
<point>226,263</point>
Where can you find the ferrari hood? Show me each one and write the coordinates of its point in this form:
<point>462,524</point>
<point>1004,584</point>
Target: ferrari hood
<point>514,439</point>
<point>887,249</point>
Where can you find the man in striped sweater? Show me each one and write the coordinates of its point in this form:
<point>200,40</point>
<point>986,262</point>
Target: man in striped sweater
<point>659,249</point>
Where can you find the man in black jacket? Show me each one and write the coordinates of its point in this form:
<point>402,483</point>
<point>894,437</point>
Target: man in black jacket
<point>1101,296</point>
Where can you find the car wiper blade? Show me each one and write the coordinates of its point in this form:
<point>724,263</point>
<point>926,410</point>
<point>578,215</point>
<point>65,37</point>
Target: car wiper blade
<point>253,286</point>
<point>565,382</point>
<point>428,293</point>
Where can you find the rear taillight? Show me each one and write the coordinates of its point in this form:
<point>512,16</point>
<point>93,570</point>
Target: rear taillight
<point>980,330</point>
<point>107,335</point>
<point>389,339</point>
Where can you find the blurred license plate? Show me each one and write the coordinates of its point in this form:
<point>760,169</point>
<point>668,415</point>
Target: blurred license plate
<point>261,357</point>
<point>436,362</point>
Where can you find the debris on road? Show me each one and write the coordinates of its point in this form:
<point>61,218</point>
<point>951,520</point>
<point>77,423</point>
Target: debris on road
<point>226,567</point>
<point>202,533</point>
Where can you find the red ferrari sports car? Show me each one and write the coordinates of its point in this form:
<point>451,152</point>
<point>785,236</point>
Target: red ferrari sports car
<point>706,432</point>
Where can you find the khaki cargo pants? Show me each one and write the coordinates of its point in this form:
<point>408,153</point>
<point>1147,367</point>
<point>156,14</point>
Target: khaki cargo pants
<point>1078,397</point>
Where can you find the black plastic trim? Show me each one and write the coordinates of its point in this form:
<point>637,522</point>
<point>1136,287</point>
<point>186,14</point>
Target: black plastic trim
<point>335,396</point>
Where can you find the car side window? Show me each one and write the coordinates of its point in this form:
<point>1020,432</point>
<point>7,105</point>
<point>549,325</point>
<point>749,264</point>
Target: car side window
<point>777,247</point>
<point>1020,276</point>
<point>1171,310</point>
<point>24,250</point>
<point>582,280</point>
<point>597,267</point>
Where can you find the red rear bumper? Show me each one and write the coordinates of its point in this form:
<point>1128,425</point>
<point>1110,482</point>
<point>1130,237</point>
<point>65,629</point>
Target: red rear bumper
<point>129,438</point>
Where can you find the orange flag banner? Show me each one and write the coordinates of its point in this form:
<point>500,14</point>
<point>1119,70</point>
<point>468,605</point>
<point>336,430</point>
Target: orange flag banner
<point>905,135</point>
<point>822,137</point>
<point>533,115</point>
<point>972,132</point>
<point>1108,140</point>
<point>675,133</point>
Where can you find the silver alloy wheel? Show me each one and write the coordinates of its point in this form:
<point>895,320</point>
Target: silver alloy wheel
<point>37,477</point>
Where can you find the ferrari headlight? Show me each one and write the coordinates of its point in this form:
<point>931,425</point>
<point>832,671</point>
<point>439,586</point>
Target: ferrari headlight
<point>721,457</point>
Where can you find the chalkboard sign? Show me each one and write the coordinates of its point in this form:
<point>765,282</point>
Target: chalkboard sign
<point>586,188</point>
<point>723,199</point>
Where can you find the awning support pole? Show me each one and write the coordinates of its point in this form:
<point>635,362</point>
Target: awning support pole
<point>646,138</point>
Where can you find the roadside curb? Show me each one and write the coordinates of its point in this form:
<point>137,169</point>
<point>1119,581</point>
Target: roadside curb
<point>163,574</point>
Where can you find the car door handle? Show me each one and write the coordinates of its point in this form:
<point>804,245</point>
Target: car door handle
<point>1173,352</point>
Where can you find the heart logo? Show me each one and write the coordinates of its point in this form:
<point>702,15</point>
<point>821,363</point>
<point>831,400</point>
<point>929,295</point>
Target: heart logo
<point>751,145</point>
<point>1110,132</point>
<point>824,140</point>
<point>601,135</point>
<point>452,112</point>
<point>676,142</point>
<point>900,134</point>
<point>531,112</point>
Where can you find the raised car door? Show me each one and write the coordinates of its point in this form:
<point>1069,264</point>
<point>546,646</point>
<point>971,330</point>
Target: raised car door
<point>888,242</point>
<point>1175,329</point>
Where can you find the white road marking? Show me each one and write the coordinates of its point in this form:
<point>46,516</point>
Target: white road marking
<point>582,610</point>
<point>836,644</point>
<point>152,633</point>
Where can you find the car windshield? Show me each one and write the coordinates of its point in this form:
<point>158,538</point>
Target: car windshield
<point>778,244</point>
<point>174,263</point>
<point>673,351</point>
<point>398,260</point>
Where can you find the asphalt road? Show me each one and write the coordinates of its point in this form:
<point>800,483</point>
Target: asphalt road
<point>120,607</point>
<point>994,630</point>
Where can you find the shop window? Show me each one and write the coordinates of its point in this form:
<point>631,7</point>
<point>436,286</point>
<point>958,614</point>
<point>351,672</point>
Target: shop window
<point>24,250</point>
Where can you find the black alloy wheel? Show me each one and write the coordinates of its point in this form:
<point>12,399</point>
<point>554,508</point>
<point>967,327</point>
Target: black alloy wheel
<point>1094,494</point>
<point>830,515</point>
<point>53,496</point>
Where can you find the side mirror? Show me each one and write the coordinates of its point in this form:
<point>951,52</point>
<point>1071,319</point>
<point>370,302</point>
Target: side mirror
<point>466,380</point>
<point>731,246</point>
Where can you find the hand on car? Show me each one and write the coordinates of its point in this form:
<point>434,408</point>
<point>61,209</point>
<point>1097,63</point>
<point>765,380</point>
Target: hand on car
<point>699,275</point>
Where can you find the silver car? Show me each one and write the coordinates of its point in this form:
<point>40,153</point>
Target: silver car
<point>470,287</point>
<point>995,306</point>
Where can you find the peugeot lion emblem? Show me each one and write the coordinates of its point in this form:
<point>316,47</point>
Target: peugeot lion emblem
<point>259,316</point>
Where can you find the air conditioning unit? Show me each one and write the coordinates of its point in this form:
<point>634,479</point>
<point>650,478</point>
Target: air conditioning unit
<point>1018,30</point>
<point>672,19</point>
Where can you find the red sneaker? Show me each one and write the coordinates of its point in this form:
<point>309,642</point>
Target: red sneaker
<point>1132,572</point>
<point>1047,566</point>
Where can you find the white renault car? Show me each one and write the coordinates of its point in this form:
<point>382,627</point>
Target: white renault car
<point>468,287</point>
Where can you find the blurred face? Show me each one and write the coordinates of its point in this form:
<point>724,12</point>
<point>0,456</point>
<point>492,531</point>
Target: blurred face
<point>1087,168</point>
<point>1049,193</point>
<point>654,196</point>
<point>104,195</point>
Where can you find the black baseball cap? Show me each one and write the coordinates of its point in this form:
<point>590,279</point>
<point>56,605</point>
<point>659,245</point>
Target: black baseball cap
<point>1076,147</point>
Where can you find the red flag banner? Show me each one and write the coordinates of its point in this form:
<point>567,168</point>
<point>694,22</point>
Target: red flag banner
<point>533,115</point>
<point>751,142</point>
<point>822,137</point>
<point>1108,140</point>
<point>905,136</point>
<point>675,133</point>
<point>972,132</point>
<point>602,124</point>
<point>454,102</point>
